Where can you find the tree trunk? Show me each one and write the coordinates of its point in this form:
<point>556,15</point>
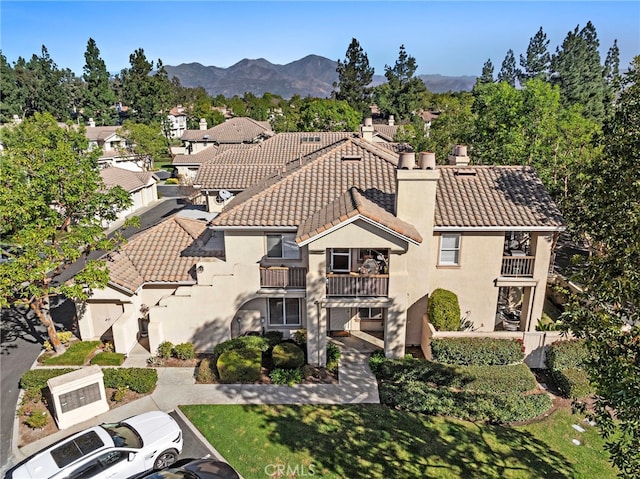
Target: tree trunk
<point>41,306</point>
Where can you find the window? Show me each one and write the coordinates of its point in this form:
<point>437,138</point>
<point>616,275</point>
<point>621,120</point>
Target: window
<point>73,450</point>
<point>284,311</point>
<point>340,260</point>
<point>282,246</point>
<point>370,313</point>
<point>450,249</point>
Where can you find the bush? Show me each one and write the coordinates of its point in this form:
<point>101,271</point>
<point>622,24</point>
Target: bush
<point>287,356</point>
<point>443,310</point>
<point>37,378</point>
<point>205,373</point>
<point>140,380</point>
<point>259,343</point>
<point>119,395</point>
<point>376,361</point>
<point>65,336</point>
<point>37,419</point>
<point>300,337</point>
<point>566,354</point>
<point>286,376</point>
<point>78,354</point>
<point>516,378</point>
<point>333,357</point>
<point>184,351</point>
<point>477,351</point>
<point>165,349</point>
<point>274,337</point>
<point>171,181</point>
<point>239,366</point>
<point>108,359</point>
<point>573,382</point>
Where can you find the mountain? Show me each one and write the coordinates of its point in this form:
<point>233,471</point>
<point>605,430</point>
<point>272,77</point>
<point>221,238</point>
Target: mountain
<point>312,75</point>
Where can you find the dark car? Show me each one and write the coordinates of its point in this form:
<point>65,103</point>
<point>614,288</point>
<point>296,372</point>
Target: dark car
<point>195,469</point>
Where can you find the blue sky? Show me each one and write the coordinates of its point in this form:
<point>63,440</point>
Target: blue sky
<point>446,37</point>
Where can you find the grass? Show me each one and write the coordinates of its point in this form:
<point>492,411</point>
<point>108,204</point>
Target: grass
<point>373,441</point>
<point>77,355</point>
<point>108,359</point>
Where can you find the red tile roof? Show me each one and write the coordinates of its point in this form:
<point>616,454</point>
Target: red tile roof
<point>234,130</point>
<point>129,180</point>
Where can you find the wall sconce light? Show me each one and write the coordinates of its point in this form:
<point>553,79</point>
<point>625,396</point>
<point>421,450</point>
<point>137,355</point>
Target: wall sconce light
<point>261,320</point>
<point>238,319</point>
<point>200,269</point>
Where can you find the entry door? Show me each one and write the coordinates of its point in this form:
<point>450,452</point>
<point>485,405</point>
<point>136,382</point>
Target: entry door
<point>338,319</point>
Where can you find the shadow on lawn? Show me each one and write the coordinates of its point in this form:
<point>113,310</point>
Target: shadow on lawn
<point>374,441</point>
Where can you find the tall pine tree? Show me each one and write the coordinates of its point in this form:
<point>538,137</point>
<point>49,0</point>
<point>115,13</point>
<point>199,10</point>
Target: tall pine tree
<point>537,61</point>
<point>508,72</point>
<point>487,72</point>
<point>99,99</point>
<point>354,78</point>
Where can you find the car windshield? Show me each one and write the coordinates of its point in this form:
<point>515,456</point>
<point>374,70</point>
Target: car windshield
<point>123,435</point>
<point>73,450</point>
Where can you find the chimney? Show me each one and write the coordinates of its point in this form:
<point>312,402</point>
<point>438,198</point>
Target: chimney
<point>91,123</point>
<point>366,130</point>
<point>392,120</point>
<point>459,156</point>
<point>407,161</point>
<point>427,160</point>
<point>203,124</point>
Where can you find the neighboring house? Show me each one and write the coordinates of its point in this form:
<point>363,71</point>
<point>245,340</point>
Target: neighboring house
<point>113,148</point>
<point>187,166</point>
<point>234,131</point>
<point>141,186</point>
<point>177,121</point>
<point>348,238</point>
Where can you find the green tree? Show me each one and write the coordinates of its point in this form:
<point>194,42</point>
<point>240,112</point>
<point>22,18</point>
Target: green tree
<point>99,98</point>
<point>401,95</point>
<point>53,201</point>
<point>328,115</point>
<point>454,126</point>
<point>607,314</point>
<point>354,78</point>
<point>612,78</point>
<point>508,73</point>
<point>487,72</point>
<point>11,100</point>
<point>576,69</point>
<point>147,142</point>
<point>536,63</point>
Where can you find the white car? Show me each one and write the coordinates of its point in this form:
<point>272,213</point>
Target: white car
<point>151,440</point>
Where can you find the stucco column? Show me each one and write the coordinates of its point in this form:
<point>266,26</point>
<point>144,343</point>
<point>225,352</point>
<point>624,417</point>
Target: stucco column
<point>541,247</point>
<point>85,320</point>
<point>395,326</point>
<point>316,312</point>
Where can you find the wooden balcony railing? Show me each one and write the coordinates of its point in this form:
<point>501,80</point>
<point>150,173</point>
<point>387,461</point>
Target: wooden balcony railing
<point>283,277</point>
<point>517,266</point>
<point>357,285</point>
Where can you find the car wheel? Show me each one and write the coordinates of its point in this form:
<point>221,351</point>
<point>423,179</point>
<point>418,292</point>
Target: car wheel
<point>165,459</point>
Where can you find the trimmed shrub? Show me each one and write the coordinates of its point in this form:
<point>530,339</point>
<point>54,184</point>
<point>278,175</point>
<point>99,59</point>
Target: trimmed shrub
<point>376,361</point>
<point>287,356</point>
<point>477,351</point>
<point>37,419</point>
<point>172,181</point>
<point>165,349</point>
<point>78,354</point>
<point>65,336</point>
<point>108,359</point>
<point>333,357</point>
<point>300,337</point>
<point>119,395</point>
<point>286,376</point>
<point>184,351</point>
<point>515,378</point>
<point>444,310</point>
<point>566,354</point>
<point>140,380</point>
<point>573,382</point>
<point>239,366</point>
<point>205,374</point>
<point>259,343</point>
<point>37,378</point>
<point>274,337</point>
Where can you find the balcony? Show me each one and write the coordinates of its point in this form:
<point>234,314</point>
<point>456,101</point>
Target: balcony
<point>283,277</point>
<point>517,266</point>
<point>357,285</point>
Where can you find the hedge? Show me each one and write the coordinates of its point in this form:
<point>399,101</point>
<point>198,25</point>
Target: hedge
<point>477,351</point>
<point>566,354</point>
<point>108,359</point>
<point>140,380</point>
<point>287,356</point>
<point>515,378</point>
<point>184,351</point>
<point>259,343</point>
<point>37,378</point>
<point>573,382</point>
<point>444,310</point>
<point>239,366</point>
<point>206,374</point>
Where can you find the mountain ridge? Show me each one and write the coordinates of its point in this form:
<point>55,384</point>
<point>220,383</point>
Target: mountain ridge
<point>312,75</point>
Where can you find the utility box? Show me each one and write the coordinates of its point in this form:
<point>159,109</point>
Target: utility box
<point>78,396</point>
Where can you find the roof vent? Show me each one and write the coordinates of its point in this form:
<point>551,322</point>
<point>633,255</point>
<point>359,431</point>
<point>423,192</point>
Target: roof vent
<point>465,172</point>
<point>351,157</point>
<point>309,139</point>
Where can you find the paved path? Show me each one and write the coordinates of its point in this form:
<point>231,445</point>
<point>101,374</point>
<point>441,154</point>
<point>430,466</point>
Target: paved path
<point>177,386</point>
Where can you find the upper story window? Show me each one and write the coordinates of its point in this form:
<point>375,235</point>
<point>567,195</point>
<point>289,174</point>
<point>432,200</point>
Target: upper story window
<point>340,260</point>
<point>282,245</point>
<point>449,249</point>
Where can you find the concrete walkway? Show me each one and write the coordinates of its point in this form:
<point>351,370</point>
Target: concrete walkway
<point>178,386</point>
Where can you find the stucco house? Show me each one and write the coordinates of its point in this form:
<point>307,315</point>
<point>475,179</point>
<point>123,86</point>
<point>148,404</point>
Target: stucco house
<point>141,186</point>
<point>350,237</point>
<point>177,119</point>
<point>112,148</point>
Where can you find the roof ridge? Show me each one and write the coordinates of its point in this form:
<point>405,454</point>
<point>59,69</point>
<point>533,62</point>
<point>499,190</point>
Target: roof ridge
<point>372,148</point>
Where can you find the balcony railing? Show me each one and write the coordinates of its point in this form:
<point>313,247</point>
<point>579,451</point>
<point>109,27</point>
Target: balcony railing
<point>517,266</point>
<point>283,277</point>
<point>357,285</point>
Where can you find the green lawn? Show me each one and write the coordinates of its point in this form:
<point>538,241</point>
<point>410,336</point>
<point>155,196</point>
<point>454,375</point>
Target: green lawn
<point>372,441</point>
